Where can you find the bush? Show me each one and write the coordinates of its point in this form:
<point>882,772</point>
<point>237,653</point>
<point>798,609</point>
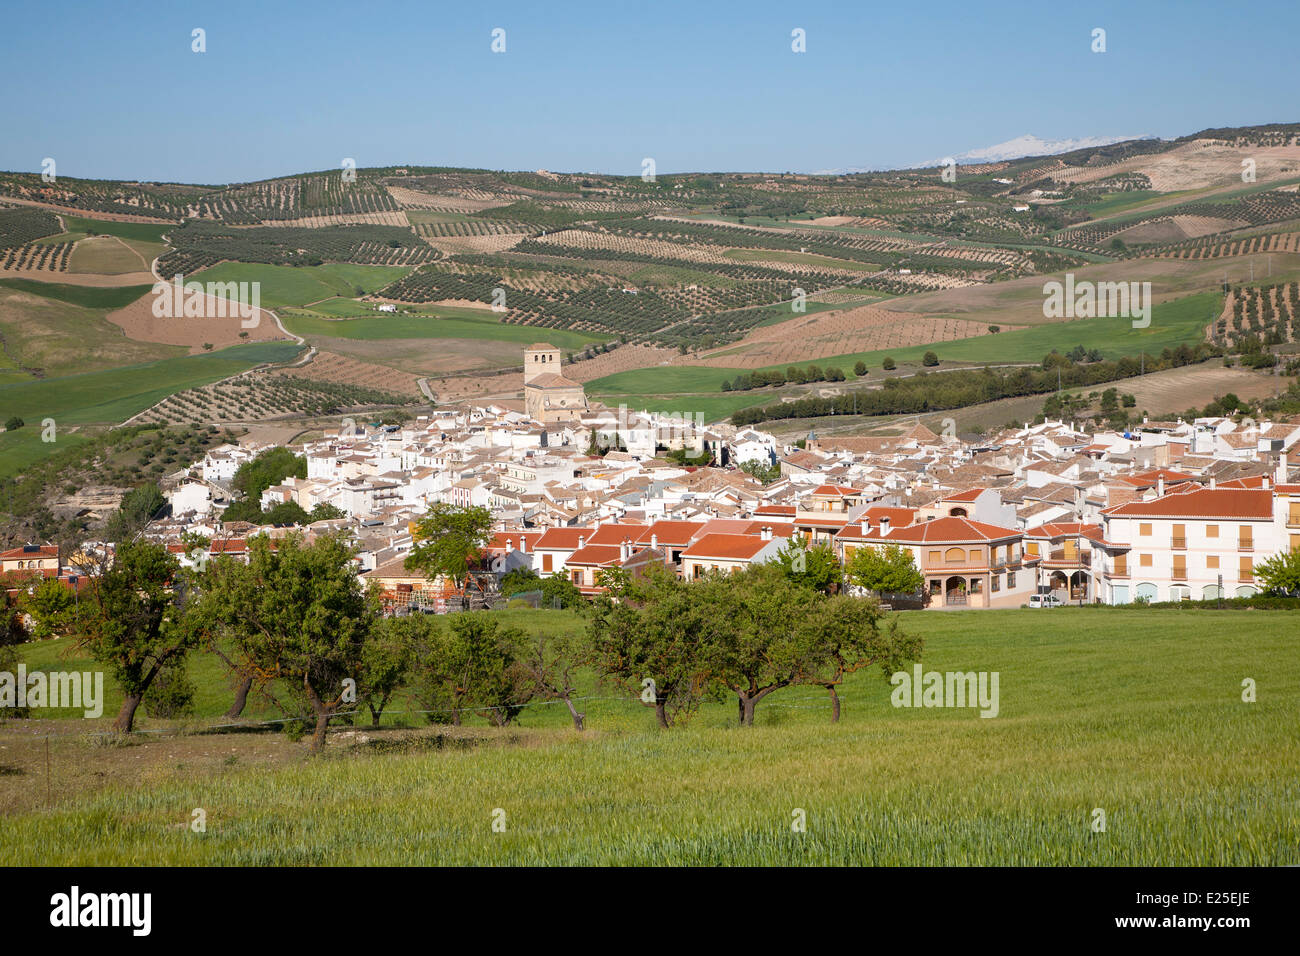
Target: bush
<point>860,368</point>
<point>888,364</point>
<point>930,359</point>
<point>171,694</point>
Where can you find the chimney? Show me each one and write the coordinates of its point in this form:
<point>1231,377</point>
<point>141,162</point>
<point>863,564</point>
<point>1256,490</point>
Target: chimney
<point>884,526</point>
<point>654,540</point>
<point>1213,482</point>
<point>523,545</point>
<point>582,541</point>
<point>1160,486</point>
<point>866,526</point>
<point>510,544</point>
<point>625,550</point>
<point>1267,484</point>
<point>767,533</point>
<point>1281,469</point>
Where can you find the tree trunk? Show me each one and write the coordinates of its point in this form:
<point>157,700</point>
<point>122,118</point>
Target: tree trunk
<point>740,709</point>
<point>661,711</point>
<point>322,723</point>
<point>375,715</point>
<point>747,711</point>
<point>835,705</point>
<point>126,716</point>
<point>573,712</point>
<point>241,697</point>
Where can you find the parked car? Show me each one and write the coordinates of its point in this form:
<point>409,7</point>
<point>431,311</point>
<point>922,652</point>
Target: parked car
<point>1045,600</point>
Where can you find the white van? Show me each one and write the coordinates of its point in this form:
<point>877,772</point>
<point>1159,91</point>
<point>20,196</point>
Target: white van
<point>1045,600</point>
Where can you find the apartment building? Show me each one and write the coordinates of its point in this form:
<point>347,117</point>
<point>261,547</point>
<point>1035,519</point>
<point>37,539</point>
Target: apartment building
<point>1196,543</point>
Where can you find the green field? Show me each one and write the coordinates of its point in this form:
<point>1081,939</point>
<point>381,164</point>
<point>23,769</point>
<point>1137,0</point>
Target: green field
<point>114,395</point>
<point>90,297</point>
<point>300,285</point>
<point>1172,324</point>
<point>140,231</point>
<point>1137,712</point>
<point>438,323</point>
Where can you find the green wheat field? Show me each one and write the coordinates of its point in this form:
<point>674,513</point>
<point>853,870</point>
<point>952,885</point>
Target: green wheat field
<point>1134,712</point>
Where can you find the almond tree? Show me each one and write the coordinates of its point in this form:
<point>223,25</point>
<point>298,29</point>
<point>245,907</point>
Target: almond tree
<point>301,614</point>
<point>756,641</point>
<point>647,636</point>
<point>846,636</point>
<point>132,620</point>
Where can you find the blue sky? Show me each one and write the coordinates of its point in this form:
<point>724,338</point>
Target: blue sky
<point>113,90</point>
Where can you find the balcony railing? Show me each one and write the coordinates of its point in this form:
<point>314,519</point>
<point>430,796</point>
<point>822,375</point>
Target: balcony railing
<point>1178,544</point>
<point>955,597</point>
<point>1084,557</point>
<point>1179,574</point>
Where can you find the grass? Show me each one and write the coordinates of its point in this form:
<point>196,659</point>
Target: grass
<point>1172,323</point>
<point>116,394</point>
<point>299,285</point>
<point>141,231</point>
<point>21,449</point>
<point>441,323</point>
<point>1134,711</point>
<point>89,297</point>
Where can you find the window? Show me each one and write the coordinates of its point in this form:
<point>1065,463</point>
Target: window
<point>997,582</point>
<point>936,557</point>
<point>546,562</point>
<point>1121,564</point>
<point>1246,572</point>
<point>1245,538</point>
<point>975,556</point>
<point>954,556</point>
<point>1144,529</point>
<point>1144,560</point>
<point>1031,548</point>
<point>936,586</point>
<point>1212,561</point>
<point>1011,580</point>
<point>577,577</point>
<point>1211,530</point>
<point>1180,566</point>
<point>1179,536</point>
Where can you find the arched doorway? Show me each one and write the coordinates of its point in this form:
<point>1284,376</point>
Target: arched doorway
<point>954,590</point>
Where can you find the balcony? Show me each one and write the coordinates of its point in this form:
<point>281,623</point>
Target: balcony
<point>1178,544</point>
<point>1074,559</point>
<point>1179,574</point>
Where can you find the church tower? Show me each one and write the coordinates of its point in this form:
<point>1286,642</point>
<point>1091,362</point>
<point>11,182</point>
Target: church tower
<point>540,359</point>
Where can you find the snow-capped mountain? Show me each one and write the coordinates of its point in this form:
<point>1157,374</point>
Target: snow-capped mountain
<point>1018,148</point>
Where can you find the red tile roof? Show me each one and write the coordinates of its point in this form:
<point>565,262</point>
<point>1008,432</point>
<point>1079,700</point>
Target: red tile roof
<point>1232,503</point>
<point>835,491</point>
<point>732,547</point>
<point>671,534</point>
<point>597,555</point>
<point>561,539</point>
<point>898,518</point>
<point>950,529</point>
